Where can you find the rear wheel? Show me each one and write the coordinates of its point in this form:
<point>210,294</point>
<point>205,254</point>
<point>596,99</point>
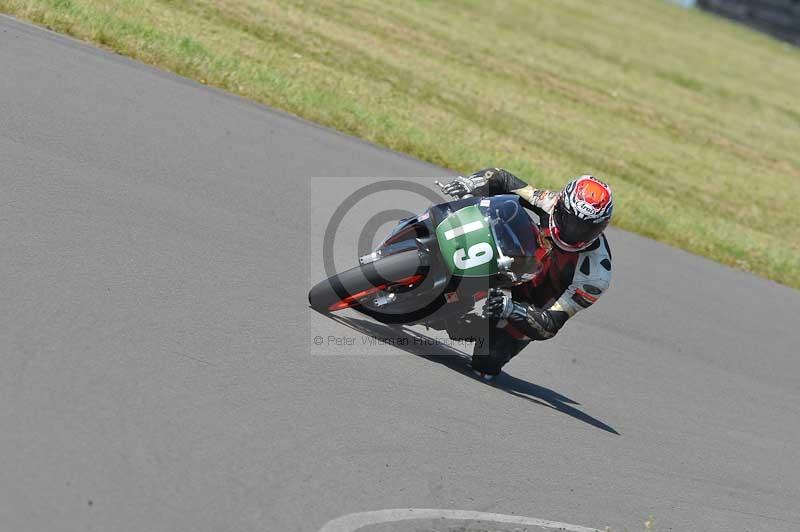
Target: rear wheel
<point>353,287</point>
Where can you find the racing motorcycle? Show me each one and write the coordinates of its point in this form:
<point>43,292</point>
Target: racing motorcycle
<point>433,267</point>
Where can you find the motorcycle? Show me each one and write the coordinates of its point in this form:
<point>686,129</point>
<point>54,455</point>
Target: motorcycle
<point>432,268</point>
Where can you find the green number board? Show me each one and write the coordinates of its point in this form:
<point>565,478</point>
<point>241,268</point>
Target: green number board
<point>467,245</point>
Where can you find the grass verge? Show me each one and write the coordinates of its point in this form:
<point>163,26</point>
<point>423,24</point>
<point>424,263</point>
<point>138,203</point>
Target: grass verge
<point>694,121</point>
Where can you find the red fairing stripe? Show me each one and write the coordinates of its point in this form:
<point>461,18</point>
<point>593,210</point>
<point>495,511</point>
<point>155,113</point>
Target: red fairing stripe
<point>354,299</point>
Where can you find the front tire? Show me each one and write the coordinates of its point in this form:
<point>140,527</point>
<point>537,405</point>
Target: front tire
<point>350,288</point>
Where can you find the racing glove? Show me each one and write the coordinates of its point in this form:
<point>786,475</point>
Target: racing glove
<point>500,306</point>
<point>536,324</point>
<point>461,186</point>
<point>486,182</point>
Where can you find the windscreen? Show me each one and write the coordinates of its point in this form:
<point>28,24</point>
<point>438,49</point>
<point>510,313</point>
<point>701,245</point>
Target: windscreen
<point>515,231</point>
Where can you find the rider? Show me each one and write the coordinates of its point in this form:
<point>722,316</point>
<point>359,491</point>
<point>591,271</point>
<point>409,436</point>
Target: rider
<point>572,222</point>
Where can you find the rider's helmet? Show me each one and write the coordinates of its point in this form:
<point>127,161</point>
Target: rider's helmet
<point>581,213</point>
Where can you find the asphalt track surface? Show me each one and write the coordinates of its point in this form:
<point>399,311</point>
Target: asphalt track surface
<point>159,370</point>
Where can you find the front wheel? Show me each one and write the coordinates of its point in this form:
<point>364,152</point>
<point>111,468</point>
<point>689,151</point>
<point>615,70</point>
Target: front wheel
<point>353,287</point>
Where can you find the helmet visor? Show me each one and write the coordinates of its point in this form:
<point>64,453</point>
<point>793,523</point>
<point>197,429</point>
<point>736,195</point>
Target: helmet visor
<point>575,232</point>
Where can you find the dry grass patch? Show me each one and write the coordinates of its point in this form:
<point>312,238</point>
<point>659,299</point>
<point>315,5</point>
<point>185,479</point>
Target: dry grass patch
<point>693,120</point>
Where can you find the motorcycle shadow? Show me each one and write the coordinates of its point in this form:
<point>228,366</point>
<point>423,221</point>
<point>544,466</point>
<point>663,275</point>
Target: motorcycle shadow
<point>423,346</point>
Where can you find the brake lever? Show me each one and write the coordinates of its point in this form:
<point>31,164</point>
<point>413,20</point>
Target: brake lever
<point>441,188</point>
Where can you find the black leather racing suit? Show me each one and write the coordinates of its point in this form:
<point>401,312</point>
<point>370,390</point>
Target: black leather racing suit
<point>573,281</point>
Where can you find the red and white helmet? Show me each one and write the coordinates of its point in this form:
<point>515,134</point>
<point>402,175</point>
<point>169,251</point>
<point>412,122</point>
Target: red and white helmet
<point>581,213</point>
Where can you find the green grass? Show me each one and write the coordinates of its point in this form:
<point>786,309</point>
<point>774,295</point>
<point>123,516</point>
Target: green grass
<point>694,121</point>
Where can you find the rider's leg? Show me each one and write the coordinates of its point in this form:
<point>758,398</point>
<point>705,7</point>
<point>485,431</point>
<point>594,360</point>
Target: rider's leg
<point>493,352</point>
